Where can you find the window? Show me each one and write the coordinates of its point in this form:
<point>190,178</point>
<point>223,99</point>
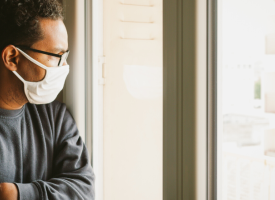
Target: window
<point>127,98</point>
<point>246,70</point>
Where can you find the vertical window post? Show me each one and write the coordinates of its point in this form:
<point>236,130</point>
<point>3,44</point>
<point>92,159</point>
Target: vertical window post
<point>185,100</point>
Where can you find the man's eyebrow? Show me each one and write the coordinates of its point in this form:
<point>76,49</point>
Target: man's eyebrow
<point>60,50</point>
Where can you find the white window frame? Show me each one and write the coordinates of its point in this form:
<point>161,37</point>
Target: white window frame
<point>83,91</point>
<point>190,96</point>
<point>94,89</point>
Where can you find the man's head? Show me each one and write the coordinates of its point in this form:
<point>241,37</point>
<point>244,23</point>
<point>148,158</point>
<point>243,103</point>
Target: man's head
<point>19,20</point>
<point>37,24</point>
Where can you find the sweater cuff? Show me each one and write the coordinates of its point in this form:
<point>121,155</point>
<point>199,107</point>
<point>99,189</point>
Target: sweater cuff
<point>27,191</point>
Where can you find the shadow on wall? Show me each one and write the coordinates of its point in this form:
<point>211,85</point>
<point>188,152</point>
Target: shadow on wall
<point>60,95</point>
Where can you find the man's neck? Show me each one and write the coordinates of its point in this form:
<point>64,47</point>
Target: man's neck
<point>8,105</point>
<point>12,95</point>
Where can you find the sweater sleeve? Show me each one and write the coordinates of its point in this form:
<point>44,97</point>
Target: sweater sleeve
<point>73,176</point>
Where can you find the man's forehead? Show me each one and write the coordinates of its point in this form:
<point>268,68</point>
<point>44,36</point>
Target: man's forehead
<point>54,35</point>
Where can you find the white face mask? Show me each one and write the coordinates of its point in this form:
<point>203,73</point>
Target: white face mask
<point>46,90</point>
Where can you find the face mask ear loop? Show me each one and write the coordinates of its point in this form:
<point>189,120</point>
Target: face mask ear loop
<point>18,76</point>
<point>32,60</point>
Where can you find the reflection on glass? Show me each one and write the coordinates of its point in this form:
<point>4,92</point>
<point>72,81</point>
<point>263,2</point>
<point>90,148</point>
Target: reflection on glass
<point>247,32</point>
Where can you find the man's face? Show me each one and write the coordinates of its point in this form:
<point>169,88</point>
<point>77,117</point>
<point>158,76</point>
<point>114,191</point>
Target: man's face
<point>55,40</point>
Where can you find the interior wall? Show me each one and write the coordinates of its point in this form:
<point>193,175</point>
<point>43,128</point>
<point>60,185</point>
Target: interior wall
<point>60,95</point>
<point>74,89</point>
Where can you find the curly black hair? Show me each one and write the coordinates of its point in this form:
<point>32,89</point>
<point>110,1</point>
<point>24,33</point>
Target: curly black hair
<point>19,20</point>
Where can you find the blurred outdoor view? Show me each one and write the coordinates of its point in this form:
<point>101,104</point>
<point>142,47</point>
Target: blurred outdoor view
<point>247,52</point>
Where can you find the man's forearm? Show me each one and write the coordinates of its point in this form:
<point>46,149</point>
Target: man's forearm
<point>8,191</point>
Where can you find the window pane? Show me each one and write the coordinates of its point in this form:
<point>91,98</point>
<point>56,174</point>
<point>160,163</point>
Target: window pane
<point>132,99</point>
<point>247,61</point>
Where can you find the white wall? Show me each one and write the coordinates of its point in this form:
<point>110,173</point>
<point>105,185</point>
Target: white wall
<point>74,90</point>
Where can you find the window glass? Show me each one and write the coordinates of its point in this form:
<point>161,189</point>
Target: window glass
<point>132,99</point>
<point>247,62</point>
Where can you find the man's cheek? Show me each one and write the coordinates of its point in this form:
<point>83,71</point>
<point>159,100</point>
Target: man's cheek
<point>42,74</point>
<point>36,74</point>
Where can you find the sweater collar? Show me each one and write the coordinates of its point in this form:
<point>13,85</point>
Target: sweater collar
<point>11,113</point>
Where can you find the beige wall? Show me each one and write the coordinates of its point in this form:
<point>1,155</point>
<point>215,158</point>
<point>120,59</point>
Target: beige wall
<point>133,100</point>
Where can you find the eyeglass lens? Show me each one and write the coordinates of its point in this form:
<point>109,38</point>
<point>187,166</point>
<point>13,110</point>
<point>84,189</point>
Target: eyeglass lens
<point>63,58</point>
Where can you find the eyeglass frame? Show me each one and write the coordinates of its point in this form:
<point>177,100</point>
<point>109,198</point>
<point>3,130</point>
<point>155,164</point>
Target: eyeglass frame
<point>66,53</point>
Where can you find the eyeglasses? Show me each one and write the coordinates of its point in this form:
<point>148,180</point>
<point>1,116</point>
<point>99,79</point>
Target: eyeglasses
<point>62,57</point>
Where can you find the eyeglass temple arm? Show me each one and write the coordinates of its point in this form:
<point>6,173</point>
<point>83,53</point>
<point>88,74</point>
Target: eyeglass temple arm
<point>47,53</point>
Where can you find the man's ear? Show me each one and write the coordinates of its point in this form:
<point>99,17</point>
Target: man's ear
<point>10,57</point>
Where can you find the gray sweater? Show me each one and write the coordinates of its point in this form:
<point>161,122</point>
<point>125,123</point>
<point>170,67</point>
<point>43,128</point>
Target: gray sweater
<point>42,153</point>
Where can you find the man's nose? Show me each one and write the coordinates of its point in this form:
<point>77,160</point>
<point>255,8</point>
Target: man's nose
<point>65,63</point>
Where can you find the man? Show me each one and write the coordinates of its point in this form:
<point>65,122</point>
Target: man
<point>42,156</point>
